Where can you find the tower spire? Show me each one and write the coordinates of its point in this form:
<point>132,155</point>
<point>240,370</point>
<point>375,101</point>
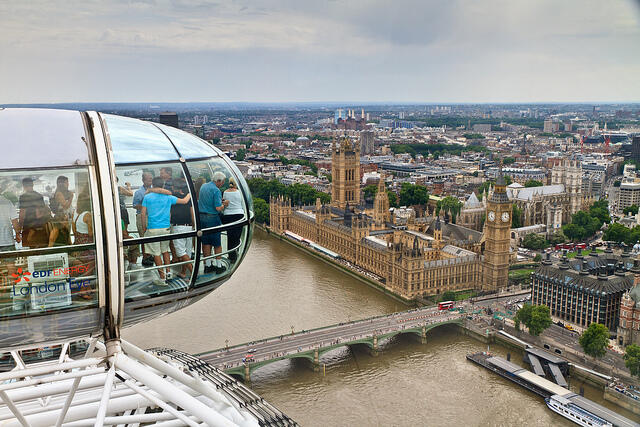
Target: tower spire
<point>500,181</point>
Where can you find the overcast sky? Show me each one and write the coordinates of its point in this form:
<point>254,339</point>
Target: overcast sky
<point>355,50</point>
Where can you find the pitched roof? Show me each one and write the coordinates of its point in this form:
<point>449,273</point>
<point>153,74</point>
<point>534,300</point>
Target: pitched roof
<point>530,192</point>
<point>472,202</point>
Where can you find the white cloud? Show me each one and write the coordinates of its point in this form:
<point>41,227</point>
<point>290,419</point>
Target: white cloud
<point>369,50</point>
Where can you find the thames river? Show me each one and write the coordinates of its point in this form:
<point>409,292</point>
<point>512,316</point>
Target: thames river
<point>407,383</point>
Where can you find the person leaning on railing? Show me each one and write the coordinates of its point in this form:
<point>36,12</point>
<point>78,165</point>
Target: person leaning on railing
<point>232,212</point>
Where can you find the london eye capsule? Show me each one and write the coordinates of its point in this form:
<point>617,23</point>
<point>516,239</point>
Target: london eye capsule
<point>108,221</point>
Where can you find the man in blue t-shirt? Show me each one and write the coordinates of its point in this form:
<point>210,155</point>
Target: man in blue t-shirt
<point>156,221</point>
<point>211,205</point>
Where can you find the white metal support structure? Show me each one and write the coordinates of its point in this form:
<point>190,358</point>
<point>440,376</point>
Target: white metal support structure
<point>128,387</point>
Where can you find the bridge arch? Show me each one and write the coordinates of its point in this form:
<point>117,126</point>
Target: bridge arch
<point>314,355</point>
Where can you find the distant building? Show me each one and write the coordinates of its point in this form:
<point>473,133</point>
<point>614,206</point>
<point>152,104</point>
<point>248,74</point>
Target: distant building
<point>482,127</point>
<point>552,204</point>
<point>438,187</point>
<point>635,148</point>
<point>629,324</point>
<point>551,126</point>
<point>628,194</point>
<point>169,118</point>
<point>366,142</point>
<point>585,290</point>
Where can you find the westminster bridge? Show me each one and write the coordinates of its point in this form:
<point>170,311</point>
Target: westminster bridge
<point>240,360</point>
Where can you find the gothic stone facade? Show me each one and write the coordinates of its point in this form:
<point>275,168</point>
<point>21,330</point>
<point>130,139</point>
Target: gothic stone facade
<point>408,263</point>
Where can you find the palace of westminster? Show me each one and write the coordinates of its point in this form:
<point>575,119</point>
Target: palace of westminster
<point>420,257</point>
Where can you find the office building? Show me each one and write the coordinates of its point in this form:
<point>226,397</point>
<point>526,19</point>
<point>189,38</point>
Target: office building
<point>169,118</point>
<point>585,290</point>
<point>628,194</point>
<point>635,148</point>
<point>366,142</point>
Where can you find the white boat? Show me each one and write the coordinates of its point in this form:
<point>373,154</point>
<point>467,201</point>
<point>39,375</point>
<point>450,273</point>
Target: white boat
<point>571,411</point>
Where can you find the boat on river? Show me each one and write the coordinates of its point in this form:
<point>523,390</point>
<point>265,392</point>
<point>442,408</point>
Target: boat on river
<point>573,412</point>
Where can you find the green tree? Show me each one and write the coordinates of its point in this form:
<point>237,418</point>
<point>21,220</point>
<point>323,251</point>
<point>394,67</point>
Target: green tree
<point>300,194</point>
<point>393,199</point>
<point>436,149</point>
<point>301,162</point>
<point>516,217</point>
<point>261,209</point>
<point>557,238</point>
<point>600,209</point>
<point>594,340</point>
<point>540,320</point>
<point>413,194</point>
<point>523,316</point>
<point>616,232</point>
<point>632,359</point>
<point>633,209</point>
<point>508,161</point>
<point>449,296</point>
<point>533,183</point>
<point>537,258</point>
<point>573,231</point>
<point>536,318</point>
<point>449,205</point>
<point>370,191</point>
<point>241,154</point>
<point>534,241</point>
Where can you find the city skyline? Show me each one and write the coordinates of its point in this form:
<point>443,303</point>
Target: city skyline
<point>334,52</point>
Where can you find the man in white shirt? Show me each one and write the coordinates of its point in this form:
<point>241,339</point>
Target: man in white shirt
<point>8,224</point>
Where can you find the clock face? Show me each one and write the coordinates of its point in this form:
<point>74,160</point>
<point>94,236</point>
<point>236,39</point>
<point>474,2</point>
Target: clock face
<point>505,216</point>
<point>492,216</point>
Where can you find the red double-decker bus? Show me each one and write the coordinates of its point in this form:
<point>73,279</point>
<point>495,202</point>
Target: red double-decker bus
<point>445,305</point>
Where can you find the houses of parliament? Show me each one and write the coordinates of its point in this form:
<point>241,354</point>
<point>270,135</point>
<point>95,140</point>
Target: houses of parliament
<point>420,257</point>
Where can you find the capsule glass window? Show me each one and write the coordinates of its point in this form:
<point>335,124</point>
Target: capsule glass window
<point>133,140</point>
<point>47,247</point>
<point>158,228</point>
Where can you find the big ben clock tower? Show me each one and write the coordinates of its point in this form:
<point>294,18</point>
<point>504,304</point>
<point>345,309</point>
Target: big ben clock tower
<point>497,238</point>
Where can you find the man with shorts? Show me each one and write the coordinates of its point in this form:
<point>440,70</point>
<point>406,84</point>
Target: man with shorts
<point>138,196</point>
<point>211,205</point>
<point>156,221</point>
<point>182,222</point>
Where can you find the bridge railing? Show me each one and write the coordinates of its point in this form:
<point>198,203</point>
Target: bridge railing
<point>396,328</point>
<point>277,337</point>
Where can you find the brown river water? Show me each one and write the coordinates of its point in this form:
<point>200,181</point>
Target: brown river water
<point>406,384</point>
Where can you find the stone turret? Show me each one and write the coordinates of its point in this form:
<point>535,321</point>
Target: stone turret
<point>381,213</point>
<point>279,213</point>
